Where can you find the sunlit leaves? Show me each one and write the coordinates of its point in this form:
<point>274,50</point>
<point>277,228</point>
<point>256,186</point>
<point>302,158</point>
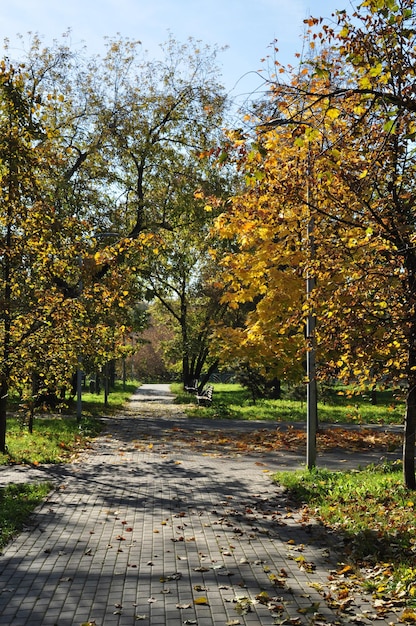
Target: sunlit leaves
<point>53,307</point>
<point>343,157</point>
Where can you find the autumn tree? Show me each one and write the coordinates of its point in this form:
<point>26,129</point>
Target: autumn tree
<point>337,148</point>
<point>262,270</point>
<point>166,126</point>
<point>98,158</point>
<point>53,309</point>
<point>151,133</point>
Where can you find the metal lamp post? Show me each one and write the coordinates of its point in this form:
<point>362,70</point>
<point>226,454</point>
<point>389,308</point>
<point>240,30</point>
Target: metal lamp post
<point>311,389</point>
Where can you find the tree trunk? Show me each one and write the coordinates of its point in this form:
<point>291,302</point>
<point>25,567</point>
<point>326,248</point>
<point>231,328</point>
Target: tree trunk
<point>4,389</point>
<point>410,438</point>
<point>207,376</point>
<point>187,378</point>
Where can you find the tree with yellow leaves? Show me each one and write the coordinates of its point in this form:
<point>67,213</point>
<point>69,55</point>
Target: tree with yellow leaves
<point>337,151</point>
<point>100,159</point>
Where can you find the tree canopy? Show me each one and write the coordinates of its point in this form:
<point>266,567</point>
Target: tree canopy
<point>334,149</point>
<point>99,162</point>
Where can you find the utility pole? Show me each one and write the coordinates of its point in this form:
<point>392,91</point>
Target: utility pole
<point>311,389</point>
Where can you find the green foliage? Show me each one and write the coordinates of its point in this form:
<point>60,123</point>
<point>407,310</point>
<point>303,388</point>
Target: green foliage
<point>16,504</point>
<point>257,383</point>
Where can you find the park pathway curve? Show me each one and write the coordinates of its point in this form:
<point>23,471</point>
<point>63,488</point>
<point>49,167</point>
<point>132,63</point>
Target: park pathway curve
<point>143,528</point>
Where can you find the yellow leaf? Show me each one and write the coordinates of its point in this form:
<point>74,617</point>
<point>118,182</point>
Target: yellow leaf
<point>365,83</point>
<point>376,70</point>
<point>333,114</point>
<point>201,600</point>
<point>408,616</point>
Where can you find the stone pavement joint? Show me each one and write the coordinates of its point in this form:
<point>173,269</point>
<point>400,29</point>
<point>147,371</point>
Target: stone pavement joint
<point>142,531</point>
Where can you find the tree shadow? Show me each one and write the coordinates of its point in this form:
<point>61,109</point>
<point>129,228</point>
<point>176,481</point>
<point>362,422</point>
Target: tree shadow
<point>132,523</point>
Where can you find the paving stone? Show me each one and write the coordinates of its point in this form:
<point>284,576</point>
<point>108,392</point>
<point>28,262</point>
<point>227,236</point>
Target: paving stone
<point>133,529</point>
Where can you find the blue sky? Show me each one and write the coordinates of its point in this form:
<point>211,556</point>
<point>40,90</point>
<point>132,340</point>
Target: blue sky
<point>247,27</point>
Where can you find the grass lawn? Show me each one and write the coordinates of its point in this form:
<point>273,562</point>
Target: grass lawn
<point>57,437</point>
<point>93,404</point>
<point>16,504</point>
<point>231,401</point>
<point>375,515</point>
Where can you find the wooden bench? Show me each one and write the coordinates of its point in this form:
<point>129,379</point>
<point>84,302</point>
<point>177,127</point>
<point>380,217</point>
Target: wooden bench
<point>192,388</point>
<point>205,397</point>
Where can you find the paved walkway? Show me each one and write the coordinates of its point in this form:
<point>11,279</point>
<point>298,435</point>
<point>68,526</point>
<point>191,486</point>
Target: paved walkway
<point>143,528</point>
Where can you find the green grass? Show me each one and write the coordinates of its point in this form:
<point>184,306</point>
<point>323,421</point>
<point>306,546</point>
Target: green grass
<point>54,439</point>
<point>232,401</point>
<point>93,404</point>
<point>374,512</point>
<point>16,504</point>
<point>57,437</point>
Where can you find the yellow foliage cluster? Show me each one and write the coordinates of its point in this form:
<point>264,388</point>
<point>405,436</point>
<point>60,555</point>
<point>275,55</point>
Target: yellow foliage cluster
<point>329,193</point>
